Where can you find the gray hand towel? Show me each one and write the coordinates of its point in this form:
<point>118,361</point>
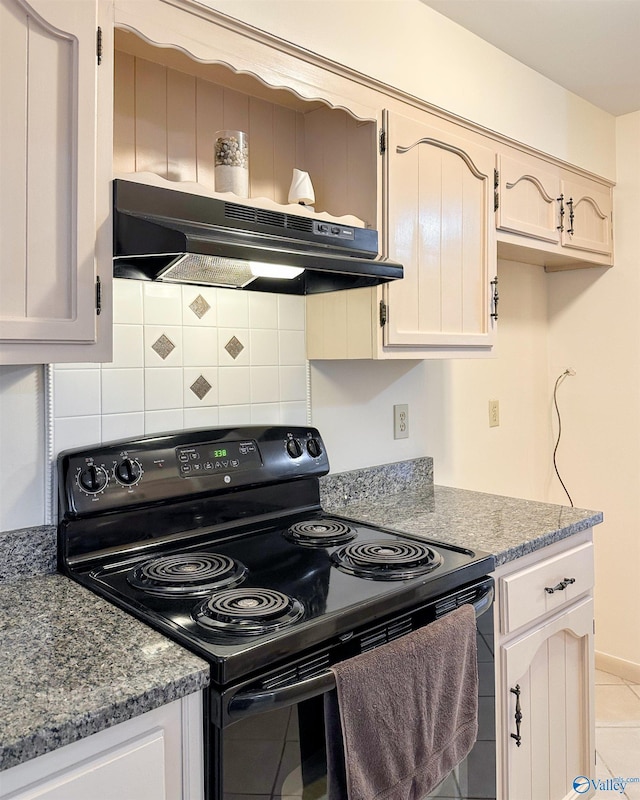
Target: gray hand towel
<point>404,714</point>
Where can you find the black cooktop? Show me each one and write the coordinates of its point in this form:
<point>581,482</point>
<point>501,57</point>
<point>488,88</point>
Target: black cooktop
<point>217,538</point>
<point>332,598</point>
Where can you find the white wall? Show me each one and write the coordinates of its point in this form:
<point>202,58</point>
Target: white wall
<point>22,447</point>
<point>352,403</point>
<point>594,322</point>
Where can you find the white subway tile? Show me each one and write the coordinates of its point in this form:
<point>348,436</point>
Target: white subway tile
<point>234,386</point>
<point>122,391</point>
<point>265,385</point>
<point>199,346</point>
<point>200,306</point>
<point>128,347</point>
<point>206,417</point>
<point>162,303</point>
<point>204,381</point>
<point>76,392</point>
<point>234,415</point>
<point>163,421</point>
<point>263,310</point>
<point>292,348</point>
<point>293,384</point>
<point>265,413</point>
<point>293,413</point>
<point>163,346</point>
<point>127,301</point>
<point>76,432</point>
<point>264,347</point>
<point>291,312</point>
<point>233,308</point>
<point>122,426</point>
<point>163,388</point>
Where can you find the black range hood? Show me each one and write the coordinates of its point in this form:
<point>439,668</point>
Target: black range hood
<point>167,235</point>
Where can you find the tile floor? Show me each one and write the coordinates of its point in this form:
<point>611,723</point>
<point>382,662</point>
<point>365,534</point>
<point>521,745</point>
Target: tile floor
<point>618,732</point>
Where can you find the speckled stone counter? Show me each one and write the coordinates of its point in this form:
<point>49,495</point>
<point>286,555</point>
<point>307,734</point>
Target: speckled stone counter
<point>506,527</point>
<point>72,664</point>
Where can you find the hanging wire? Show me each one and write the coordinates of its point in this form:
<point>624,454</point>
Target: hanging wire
<point>555,449</point>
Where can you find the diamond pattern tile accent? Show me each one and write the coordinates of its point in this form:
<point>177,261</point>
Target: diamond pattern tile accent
<point>163,346</point>
<point>234,347</point>
<point>200,387</point>
<point>199,306</point>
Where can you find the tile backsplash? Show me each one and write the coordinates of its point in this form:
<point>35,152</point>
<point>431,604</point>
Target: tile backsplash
<point>186,357</point>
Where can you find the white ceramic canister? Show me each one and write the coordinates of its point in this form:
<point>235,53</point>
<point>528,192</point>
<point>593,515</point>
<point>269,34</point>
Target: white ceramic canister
<point>231,162</point>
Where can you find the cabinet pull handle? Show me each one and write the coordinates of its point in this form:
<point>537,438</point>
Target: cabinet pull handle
<point>494,298</point>
<point>559,587</point>
<point>518,715</point>
<point>570,204</point>
<point>560,227</point>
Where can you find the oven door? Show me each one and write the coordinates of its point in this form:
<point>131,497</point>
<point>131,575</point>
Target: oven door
<point>269,743</point>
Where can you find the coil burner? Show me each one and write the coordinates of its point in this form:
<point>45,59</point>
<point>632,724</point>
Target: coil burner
<point>248,612</point>
<point>188,574</point>
<point>386,560</point>
<point>320,533</point>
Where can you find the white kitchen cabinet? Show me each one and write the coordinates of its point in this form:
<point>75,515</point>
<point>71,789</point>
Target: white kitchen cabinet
<point>55,142</point>
<point>548,214</point>
<point>439,196</point>
<point>438,201</point>
<point>156,756</point>
<point>545,673</point>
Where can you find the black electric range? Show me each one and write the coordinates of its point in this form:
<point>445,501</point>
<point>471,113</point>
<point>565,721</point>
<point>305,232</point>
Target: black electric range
<point>217,538</point>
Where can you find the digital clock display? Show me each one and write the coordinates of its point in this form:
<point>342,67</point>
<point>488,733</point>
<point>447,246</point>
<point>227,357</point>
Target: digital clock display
<point>211,459</point>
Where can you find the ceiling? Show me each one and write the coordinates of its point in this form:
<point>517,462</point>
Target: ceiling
<point>591,47</point>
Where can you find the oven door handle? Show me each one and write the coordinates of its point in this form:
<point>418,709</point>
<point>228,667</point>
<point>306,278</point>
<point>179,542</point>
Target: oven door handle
<point>246,704</point>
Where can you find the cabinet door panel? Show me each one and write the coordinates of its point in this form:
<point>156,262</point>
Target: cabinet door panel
<point>439,191</point>
<point>552,665</point>
<point>134,770</point>
<point>47,170</point>
<point>528,199</point>
<point>591,224</point>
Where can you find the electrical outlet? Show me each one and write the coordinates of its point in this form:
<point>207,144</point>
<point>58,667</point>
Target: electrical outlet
<point>494,413</point>
<point>401,421</point>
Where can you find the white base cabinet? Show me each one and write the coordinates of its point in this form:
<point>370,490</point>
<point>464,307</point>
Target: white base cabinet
<point>545,673</point>
<point>156,756</point>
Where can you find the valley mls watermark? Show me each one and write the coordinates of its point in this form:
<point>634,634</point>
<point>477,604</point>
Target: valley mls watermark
<point>582,784</point>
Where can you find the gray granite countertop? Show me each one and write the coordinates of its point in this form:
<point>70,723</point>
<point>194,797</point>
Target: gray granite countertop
<point>506,527</point>
<point>73,664</point>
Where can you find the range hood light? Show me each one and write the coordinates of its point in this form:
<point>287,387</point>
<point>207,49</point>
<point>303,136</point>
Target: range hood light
<point>261,270</point>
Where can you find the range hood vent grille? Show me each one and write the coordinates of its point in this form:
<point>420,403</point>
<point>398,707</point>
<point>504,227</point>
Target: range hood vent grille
<point>267,217</point>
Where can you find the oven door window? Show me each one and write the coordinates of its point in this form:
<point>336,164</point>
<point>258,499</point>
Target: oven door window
<point>276,755</point>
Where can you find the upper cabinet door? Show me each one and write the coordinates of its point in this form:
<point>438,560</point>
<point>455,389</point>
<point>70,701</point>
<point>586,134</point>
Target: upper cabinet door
<point>587,218</point>
<point>439,193</point>
<point>48,123</point>
<point>528,198</point>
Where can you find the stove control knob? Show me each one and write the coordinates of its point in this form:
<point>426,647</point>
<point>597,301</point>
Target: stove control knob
<point>128,472</point>
<point>313,447</point>
<point>93,479</point>
<point>294,448</point>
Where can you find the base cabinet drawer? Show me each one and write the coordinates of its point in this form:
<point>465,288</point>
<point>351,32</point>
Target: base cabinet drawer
<point>546,587</point>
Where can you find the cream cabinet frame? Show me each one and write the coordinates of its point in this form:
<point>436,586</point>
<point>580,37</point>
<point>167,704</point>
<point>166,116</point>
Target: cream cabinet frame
<point>55,164</point>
